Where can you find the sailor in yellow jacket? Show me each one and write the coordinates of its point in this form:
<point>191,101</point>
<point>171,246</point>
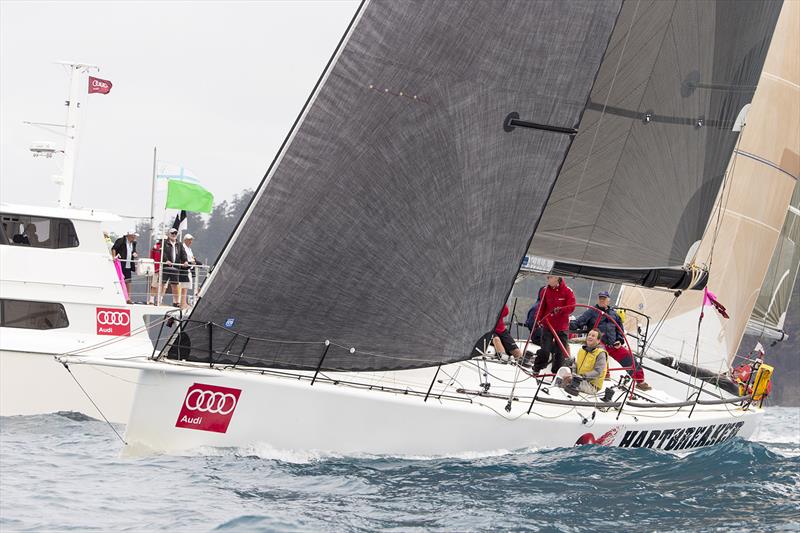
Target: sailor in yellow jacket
<point>589,367</point>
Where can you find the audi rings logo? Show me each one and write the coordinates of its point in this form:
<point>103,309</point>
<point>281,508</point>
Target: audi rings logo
<point>207,401</point>
<point>114,318</point>
<point>112,321</point>
<point>208,407</point>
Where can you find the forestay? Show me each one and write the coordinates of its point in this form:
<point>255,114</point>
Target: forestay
<point>396,217</point>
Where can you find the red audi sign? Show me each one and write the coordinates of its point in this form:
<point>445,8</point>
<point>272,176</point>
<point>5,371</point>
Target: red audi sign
<point>208,408</point>
<point>112,321</point>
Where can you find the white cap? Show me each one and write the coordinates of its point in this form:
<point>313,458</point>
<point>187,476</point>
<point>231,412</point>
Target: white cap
<point>187,237</point>
<point>132,232</point>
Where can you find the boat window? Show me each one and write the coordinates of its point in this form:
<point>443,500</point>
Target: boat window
<point>32,315</point>
<point>38,232</point>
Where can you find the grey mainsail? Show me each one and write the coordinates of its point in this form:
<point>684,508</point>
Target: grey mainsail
<point>394,220</point>
<point>643,173</point>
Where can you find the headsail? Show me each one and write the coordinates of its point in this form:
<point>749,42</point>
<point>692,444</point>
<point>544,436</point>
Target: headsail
<point>770,310</point>
<point>395,219</point>
<point>640,181</point>
<point>744,228</point>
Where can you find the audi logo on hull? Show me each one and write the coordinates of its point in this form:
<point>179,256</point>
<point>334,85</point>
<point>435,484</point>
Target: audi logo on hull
<point>207,401</point>
<point>111,321</point>
<point>208,407</point>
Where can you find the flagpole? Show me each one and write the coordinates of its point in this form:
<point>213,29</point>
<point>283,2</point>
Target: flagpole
<point>153,196</point>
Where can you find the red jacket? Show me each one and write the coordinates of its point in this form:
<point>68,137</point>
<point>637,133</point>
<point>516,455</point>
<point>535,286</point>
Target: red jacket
<point>562,298</point>
<point>501,326</point>
<point>155,255</point>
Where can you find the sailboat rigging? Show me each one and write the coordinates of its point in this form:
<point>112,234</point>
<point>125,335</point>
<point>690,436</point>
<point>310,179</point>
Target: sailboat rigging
<point>391,225</point>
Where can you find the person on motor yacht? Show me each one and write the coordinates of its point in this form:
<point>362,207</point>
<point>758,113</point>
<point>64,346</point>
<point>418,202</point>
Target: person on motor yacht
<point>174,256</point>
<point>124,250</point>
<point>588,369</point>
<point>605,318</point>
<point>186,272</point>
<point>30,237</point>
<point>157,283</point>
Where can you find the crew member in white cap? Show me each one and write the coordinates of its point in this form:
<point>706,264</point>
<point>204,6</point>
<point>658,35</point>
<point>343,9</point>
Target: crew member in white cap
<point>124,249</point>
<point>186,275</point>
<point>174,258</point>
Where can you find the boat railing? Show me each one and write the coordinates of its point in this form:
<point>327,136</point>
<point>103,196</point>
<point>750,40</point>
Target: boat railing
<point>178,346</point>
<point>637,364</point>
<point>148,276</point>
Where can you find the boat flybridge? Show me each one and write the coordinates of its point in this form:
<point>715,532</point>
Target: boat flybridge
<point>635,143</point>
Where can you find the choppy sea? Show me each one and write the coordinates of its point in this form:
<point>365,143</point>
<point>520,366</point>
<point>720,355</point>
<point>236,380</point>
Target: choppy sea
<point>65,472</point>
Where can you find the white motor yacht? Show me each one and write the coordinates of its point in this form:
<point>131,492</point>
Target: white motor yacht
<point>60,293</point>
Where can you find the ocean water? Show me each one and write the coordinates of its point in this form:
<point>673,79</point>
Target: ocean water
<point>65,472</point>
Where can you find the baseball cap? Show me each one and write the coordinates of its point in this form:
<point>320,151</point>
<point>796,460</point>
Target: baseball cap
<point>173,230</point>
<point>603,294</point>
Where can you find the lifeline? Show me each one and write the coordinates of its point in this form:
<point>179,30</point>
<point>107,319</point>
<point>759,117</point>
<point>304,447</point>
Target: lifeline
<point>680,439</point>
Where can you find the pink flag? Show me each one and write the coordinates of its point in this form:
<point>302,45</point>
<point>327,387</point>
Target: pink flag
<point>118,268</point>
<point>709,298</point>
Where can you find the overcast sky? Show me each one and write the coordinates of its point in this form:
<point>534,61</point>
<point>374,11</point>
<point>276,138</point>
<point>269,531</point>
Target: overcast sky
<point>214,85</point>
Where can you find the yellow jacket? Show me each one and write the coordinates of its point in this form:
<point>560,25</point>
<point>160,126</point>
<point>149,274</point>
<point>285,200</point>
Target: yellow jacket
<point>592,365</point>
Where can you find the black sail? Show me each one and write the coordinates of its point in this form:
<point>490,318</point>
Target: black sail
<point>641,178</point>
<point>395,218</point>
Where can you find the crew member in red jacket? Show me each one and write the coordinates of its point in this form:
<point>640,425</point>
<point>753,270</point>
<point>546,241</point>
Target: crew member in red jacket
<point>558,302</point>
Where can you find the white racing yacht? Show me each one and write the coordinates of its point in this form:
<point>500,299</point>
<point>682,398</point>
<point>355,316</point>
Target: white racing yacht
<point>444,143</point>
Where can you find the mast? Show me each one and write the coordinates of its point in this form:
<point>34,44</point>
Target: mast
<point>71,130</point>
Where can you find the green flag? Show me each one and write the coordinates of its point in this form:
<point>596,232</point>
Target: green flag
<point>188,196</point>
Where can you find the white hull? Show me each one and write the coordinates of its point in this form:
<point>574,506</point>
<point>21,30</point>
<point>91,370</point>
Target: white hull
<point>32,384</point>
<point>286,412</point>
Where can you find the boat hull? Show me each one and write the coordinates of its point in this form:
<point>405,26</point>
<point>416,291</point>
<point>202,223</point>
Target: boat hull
<point>179,408</point>
<point>34,383</point>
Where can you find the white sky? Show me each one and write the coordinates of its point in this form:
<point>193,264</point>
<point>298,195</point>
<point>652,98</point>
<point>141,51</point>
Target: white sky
<point>214,85</point>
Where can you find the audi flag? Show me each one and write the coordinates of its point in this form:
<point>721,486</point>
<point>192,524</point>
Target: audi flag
<point>96,85</point>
